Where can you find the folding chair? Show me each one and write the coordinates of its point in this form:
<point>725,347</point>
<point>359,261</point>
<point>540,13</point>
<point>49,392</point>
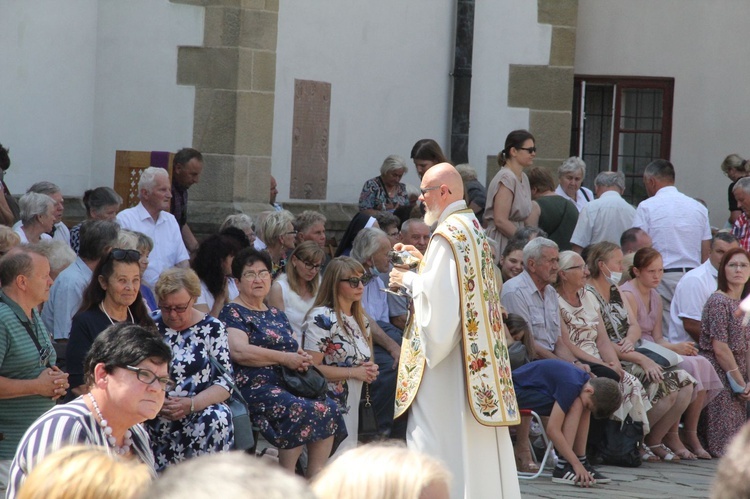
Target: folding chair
<point>547,452</point>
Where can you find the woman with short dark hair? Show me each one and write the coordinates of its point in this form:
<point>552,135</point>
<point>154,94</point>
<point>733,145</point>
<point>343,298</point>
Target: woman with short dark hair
<point>261,343</point>
<point>126,378</point>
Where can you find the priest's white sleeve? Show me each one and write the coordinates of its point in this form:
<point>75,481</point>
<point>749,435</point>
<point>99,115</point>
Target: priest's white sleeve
<point>437,301</point>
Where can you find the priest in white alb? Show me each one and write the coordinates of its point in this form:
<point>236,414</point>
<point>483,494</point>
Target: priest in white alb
<point>454,372</point>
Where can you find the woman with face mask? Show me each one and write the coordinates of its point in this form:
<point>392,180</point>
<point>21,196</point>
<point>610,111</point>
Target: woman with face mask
<point>624,321</point>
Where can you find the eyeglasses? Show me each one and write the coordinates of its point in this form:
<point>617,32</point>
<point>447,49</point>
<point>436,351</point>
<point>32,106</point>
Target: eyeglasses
<point>119,254</point>
<point>294,232</point>
<point>251,276</point>
<point>147,377</point>
<point>312,266</point>
<point>530,150</point>
<point>575,267</point>
<point>354,281</point>
<point>735,266</point>
<point>428,189</point>
<point>180,309</point>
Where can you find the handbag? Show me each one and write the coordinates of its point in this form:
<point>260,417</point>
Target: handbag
<point>368,425</point>
<point>243,426</point>
<point>619,443</point>
<point>659,354</point>
<point>309,384</point>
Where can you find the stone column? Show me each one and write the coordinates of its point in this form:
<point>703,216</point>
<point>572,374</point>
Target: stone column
<point>234,73</point>
<point>548,90</point>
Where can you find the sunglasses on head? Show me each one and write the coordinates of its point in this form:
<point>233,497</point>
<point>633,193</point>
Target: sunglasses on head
<point>119,255</point>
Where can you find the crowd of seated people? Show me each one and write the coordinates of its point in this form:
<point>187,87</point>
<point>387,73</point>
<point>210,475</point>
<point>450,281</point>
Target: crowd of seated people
<point>265,314</point>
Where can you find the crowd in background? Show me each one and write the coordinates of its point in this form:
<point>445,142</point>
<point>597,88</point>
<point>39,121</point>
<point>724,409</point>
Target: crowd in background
<point>127,332</point>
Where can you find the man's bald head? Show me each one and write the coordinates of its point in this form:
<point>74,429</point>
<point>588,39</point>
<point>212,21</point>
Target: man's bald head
<point>441,186</point>
<point>445,174</point>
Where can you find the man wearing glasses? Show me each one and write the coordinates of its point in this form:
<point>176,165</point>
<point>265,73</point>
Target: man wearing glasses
<point>29,380</point>
<point>454,372</point>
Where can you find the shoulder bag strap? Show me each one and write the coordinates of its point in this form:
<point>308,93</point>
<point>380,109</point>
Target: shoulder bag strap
<point>228,377</point>
<point>33,337</point>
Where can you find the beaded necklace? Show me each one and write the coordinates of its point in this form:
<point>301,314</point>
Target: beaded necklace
<point>111,440</point>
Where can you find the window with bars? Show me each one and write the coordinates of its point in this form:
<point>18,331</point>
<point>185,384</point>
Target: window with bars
<point>621,124</point>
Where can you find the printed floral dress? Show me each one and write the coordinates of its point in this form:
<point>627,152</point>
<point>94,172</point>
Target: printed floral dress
<point>342,345</point>
<point>285,420</point>
<point>204,432</point>
<point>374,196</point>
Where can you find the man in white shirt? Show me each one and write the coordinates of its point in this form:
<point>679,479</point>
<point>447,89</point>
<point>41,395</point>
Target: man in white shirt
<point>151,217</point>
<point>678,226</point>
<point>693,291</point>
<point>634,239</point>
<point>570,175</point>
<point>605,218</point>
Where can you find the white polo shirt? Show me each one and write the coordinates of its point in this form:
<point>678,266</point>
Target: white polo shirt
<point>690,296</point>
<point>603,219</point>
<point>169,250</point>
<point>580,201</point>
<point>677,225</point>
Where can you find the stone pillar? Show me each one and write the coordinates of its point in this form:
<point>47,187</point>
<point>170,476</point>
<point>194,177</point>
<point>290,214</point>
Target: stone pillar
<point>234,73</point>
<point>548,90</point>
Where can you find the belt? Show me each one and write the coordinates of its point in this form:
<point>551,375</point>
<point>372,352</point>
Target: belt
<point>678,269</point>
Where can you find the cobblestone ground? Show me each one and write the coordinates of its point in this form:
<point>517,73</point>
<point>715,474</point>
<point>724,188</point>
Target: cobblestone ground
<point>651,480</point>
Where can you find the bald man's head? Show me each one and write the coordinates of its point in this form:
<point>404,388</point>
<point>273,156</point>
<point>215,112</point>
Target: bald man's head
<point>442,185</point>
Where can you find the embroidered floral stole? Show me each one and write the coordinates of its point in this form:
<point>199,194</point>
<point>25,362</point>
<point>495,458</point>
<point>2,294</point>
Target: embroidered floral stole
<point>489,384</point>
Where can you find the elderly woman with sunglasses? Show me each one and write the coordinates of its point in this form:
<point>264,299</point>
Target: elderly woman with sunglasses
<point>337,336</point>
<point>112,296</point>
<point>194,419</point>
<point>126,379</point>
<point>260,343</point>
<point>294,291</point>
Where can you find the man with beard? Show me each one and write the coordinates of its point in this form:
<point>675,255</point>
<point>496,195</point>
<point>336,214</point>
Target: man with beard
<point>454,373</point>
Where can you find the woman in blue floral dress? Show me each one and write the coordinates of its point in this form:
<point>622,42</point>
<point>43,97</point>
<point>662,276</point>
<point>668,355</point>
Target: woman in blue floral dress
<point>194,420</point>
<point>261,341</point>
<point>337,335</point>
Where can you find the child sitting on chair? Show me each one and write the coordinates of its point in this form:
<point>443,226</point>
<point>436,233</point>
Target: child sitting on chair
<point>568,396</point>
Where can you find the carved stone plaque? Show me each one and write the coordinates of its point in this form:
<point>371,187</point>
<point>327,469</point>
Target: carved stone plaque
<point>310,125</point>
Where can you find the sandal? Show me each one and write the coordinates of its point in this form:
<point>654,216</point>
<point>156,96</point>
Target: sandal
<point>668,457</point>
<point>698,450</point>
<point>525,464</point>
<point>647,456</point>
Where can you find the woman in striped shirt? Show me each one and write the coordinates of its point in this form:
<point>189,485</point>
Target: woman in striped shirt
<point>127,374</point>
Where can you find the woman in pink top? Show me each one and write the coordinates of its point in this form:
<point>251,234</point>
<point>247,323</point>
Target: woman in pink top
<point>640,294</point>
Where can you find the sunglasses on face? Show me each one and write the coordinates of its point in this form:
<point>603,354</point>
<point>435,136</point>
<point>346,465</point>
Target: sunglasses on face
<point>530,150</point>
<point>354,281</point>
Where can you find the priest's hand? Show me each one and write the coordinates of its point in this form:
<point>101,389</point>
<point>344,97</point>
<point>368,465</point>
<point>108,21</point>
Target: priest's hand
<point>408,247</point>
<point>396,278</point>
